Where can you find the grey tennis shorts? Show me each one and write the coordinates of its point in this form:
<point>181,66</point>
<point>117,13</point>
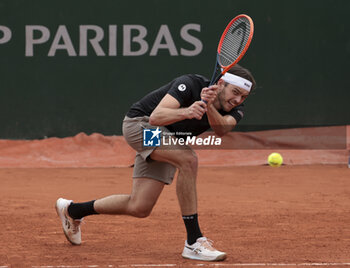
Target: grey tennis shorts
<point>144,166</point>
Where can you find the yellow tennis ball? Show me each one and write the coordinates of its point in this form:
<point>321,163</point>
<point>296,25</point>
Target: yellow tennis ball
<point>275,160</point>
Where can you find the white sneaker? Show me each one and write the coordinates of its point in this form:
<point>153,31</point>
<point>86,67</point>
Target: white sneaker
<point>202,250</point>
<point>71,227</point>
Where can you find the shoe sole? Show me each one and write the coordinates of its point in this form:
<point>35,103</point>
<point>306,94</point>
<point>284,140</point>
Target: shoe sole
<point>218,258</point>
<point>62,222</point>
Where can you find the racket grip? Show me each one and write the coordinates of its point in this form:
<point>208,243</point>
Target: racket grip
<point>204,101</point>
<point>216,79</point>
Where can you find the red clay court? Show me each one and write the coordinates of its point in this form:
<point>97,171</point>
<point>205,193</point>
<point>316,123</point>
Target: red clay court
<point>295,215</point>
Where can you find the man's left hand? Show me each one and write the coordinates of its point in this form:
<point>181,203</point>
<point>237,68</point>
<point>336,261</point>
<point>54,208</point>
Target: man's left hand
<point>209,94</point>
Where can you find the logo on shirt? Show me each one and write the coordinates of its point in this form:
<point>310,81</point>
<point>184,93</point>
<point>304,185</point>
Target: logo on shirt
<point>151,137</point>
<point>181,87</point>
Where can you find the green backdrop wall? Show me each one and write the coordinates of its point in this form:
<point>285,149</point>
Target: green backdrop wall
<point>76,66</point>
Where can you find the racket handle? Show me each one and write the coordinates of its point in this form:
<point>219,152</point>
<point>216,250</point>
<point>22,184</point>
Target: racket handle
<point>213,82</point>
<point>217,79</point>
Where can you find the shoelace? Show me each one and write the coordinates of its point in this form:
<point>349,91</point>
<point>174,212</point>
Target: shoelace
<point>76,224</point>
<point>203,243</point>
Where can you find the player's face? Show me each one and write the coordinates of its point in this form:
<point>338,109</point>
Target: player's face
<point>231,96</point>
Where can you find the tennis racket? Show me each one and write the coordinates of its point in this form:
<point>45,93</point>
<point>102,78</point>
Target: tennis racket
<point>234,43</point>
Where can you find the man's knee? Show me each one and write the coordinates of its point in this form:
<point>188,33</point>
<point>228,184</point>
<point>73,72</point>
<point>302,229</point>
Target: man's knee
<point>188,161</point>
<point>184,159</point>
<point>140,211</point>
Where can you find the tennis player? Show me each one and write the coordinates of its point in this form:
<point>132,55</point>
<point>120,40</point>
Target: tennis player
<point>185,105</point>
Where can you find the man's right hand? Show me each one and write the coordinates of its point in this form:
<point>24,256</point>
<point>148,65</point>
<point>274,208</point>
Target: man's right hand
<point>196,110</point>
<point>209,94</point>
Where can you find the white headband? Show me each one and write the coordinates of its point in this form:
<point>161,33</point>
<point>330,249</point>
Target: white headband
<point>237,81</point>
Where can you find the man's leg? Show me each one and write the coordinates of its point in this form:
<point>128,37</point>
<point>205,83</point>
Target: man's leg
<point>196,247</point>
<point>186,162</point>
<point>139,203</point>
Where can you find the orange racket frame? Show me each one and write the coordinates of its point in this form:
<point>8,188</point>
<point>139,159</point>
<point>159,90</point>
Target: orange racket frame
<point>250,37</point>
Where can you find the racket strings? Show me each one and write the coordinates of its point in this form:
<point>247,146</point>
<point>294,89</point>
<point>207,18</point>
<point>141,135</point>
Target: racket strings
<point>234,42</point>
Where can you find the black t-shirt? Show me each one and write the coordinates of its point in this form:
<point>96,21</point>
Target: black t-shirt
<point>186,90</point>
